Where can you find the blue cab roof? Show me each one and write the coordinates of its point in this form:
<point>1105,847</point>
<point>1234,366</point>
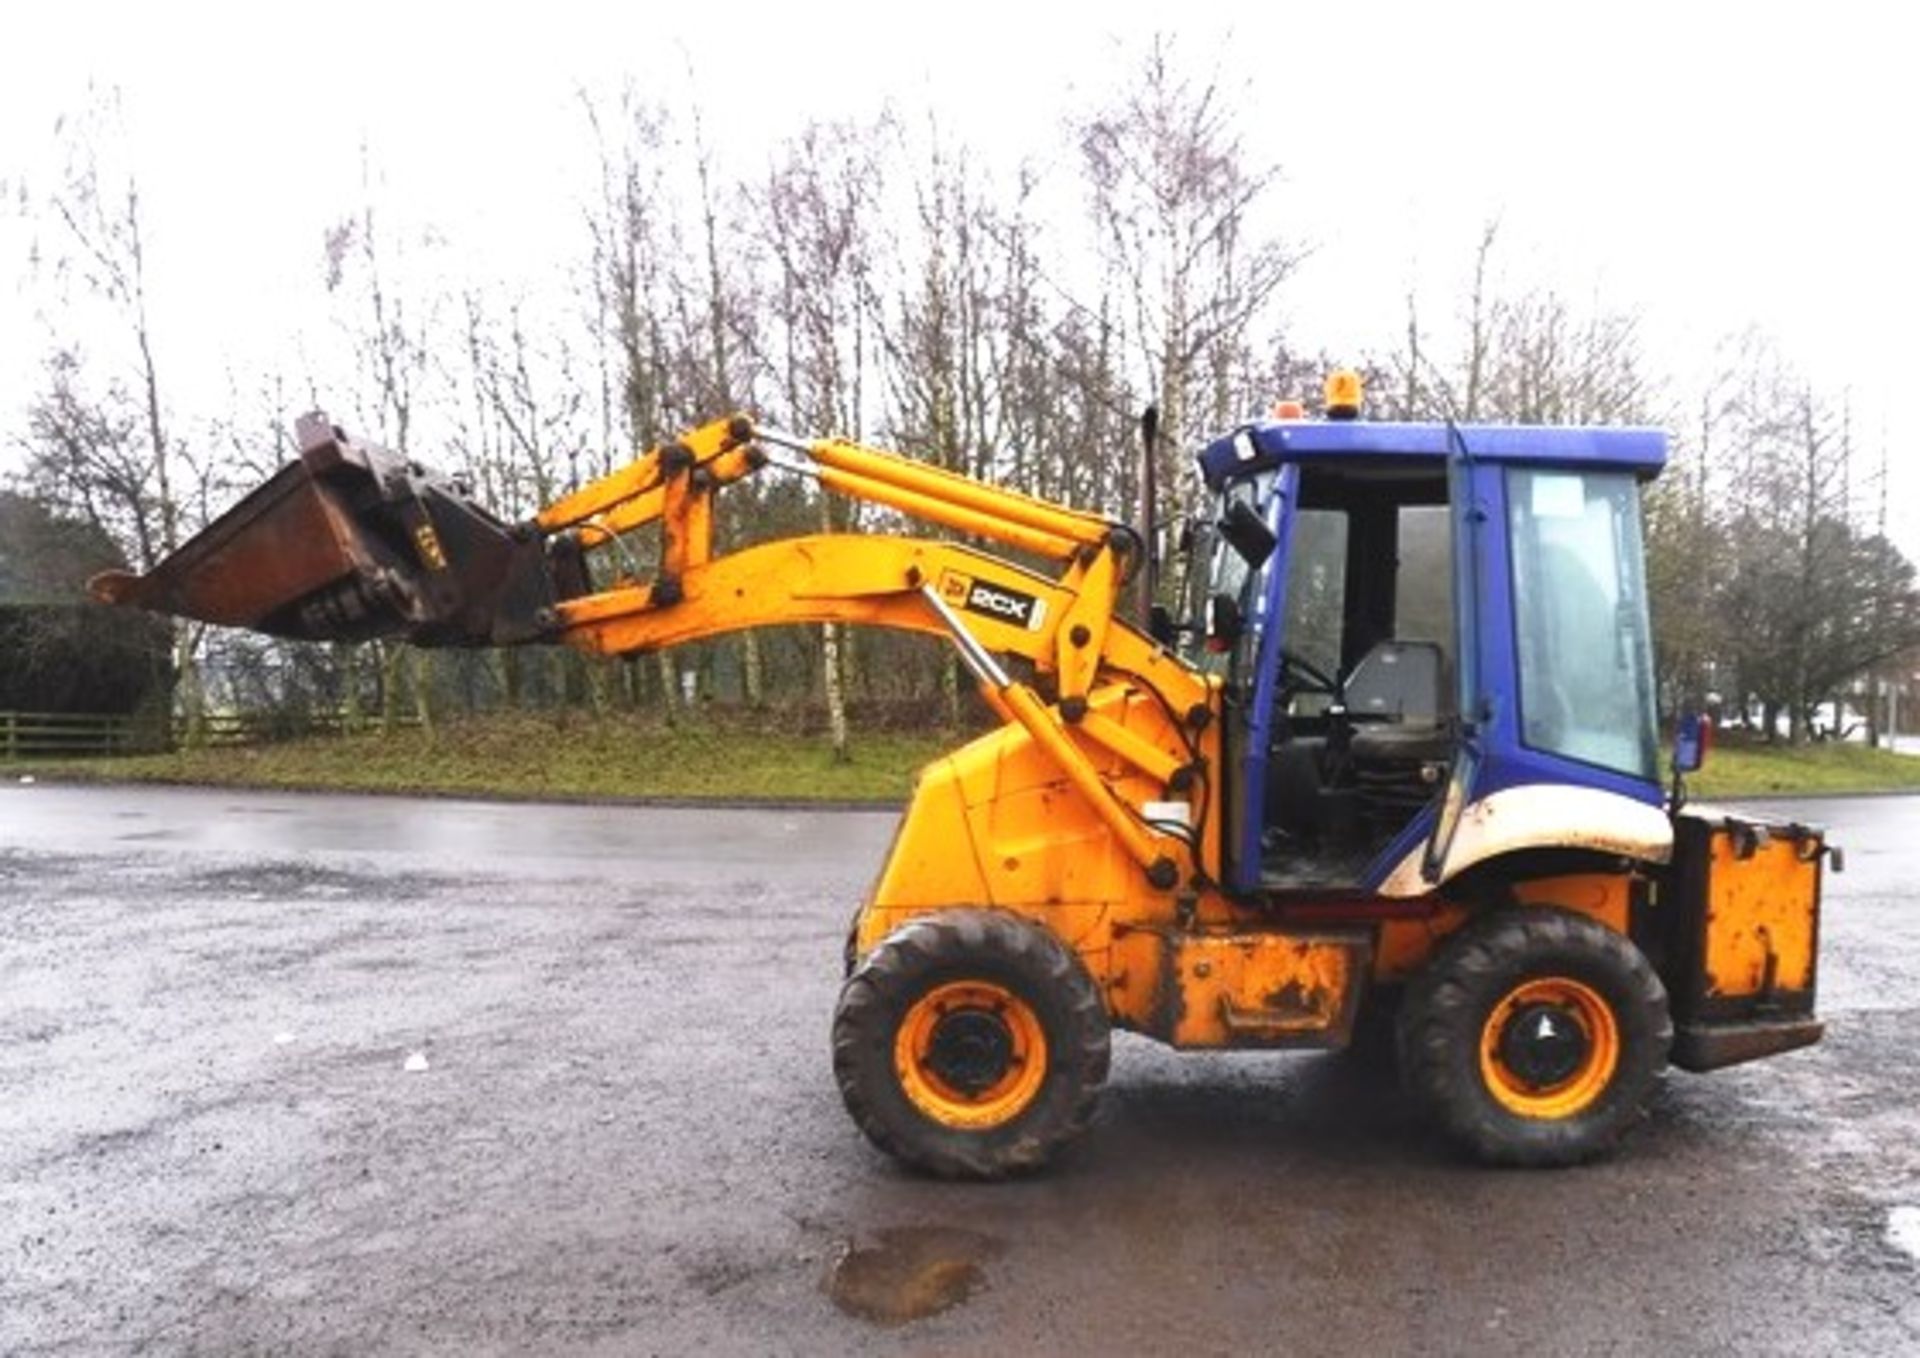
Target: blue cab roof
<point>1266,443</point>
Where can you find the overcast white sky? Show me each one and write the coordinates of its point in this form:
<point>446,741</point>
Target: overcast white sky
<point>1708,166</point>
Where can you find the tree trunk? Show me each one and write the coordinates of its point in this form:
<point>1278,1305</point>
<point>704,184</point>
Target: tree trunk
<point>510,678</point>
<point>830,667</point>
<point>347,657</point>
<point>392,653</point>
<point>669,688</point>
<point>599,686</point>
<point>423,675</point>
<point>193,698</point>
<point>836,693</point>
<point>950,691</point>
<point>753,676</point>
<point>1165,505</point>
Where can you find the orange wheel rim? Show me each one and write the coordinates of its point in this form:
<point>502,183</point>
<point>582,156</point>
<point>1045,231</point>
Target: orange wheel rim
<point>970,1054</point>
<point>1576,1071</point>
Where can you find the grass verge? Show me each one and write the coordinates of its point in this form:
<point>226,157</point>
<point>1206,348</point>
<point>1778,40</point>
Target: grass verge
<point>762,757</point>
<point>550,756</point>
<point>1734,770</point>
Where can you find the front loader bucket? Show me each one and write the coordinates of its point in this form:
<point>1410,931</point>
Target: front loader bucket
<point>351,542</point>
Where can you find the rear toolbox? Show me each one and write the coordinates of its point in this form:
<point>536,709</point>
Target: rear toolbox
<point>1737,933</point>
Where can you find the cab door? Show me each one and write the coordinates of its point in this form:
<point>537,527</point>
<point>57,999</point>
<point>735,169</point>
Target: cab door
<point>1556,743</point>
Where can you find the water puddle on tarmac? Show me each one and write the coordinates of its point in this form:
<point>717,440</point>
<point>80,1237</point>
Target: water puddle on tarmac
<point>910,1273</point>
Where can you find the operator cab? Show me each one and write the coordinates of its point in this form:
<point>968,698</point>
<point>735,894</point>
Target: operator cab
<point>1363,723</point>
<point>1386,655</point>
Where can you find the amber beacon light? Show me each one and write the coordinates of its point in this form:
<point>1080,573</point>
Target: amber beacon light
<point>1343,394</point>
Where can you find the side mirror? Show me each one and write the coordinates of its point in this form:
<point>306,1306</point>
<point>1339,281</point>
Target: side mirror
<point>1692,737</point>
<point>1248,535</point>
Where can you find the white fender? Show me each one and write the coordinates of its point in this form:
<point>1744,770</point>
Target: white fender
<point>1540,816</point>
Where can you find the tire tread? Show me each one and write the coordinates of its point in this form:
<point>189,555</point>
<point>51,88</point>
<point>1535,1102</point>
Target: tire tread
<point>1445,1008</point>
<point>950,942</point>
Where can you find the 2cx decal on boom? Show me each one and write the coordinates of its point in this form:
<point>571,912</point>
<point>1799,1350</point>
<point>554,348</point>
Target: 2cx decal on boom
<point>993,601</point>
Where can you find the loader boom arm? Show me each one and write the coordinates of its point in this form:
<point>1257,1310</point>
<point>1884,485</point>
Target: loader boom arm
<point>1062,625</point>
<point>352,542</point>
<point>984,605</point>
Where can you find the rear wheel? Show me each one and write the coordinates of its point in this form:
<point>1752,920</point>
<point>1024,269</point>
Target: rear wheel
<point>971,1044</point>
<point>1535,1036</point>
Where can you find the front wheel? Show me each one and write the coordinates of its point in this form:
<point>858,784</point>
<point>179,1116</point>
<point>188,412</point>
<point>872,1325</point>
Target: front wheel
<point>971,1044</point>
<point>1535,1036</point>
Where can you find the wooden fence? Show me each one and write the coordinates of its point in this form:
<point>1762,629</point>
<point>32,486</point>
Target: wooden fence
<point>58,735</point>
<point>62,735</point>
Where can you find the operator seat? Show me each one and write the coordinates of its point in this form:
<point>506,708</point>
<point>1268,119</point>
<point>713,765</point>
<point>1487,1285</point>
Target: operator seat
<point>1398,701</point>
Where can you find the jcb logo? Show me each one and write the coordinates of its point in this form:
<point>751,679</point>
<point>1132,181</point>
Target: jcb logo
<point>993,601</point>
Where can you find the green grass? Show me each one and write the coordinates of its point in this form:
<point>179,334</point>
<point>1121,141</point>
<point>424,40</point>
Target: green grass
<point>757,757</point>
<point>552,756</point>
<point>1734,770</point>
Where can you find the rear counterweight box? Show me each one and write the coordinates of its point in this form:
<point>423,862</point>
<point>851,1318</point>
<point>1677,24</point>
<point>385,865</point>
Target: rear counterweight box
<point>1742,930</point>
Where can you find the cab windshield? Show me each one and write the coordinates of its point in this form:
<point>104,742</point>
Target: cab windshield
<point>1580,618</point>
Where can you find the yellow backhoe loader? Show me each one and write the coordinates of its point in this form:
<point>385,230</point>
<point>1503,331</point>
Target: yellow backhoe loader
<point>1394,756</point>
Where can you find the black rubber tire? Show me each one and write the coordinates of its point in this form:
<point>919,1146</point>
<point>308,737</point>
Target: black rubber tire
<point>850,950</point>
<point>982,945</point>
<point>1448,1004</point>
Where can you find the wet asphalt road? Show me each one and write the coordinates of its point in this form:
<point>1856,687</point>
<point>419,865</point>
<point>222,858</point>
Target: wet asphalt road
<point>627,1138</point>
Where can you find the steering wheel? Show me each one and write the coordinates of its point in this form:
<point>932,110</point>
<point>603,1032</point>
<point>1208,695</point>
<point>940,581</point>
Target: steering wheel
<point>1295,667</point>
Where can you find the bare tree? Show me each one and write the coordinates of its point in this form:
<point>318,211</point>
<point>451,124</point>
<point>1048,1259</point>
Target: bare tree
<point>391,336</point>
<point>1178,206</point>
<point>817,214</point>
<point>1774,543</point>
<point>120,460</point>
<point>1526,356</point>
<point>634,243</point>
<point>719,337</point>
<point>1479,339</point>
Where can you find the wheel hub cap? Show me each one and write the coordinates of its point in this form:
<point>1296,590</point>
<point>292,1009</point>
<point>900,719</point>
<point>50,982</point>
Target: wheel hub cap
<point>970,1054</point>
<point>971,1050</point>
<point>1544,1045</point>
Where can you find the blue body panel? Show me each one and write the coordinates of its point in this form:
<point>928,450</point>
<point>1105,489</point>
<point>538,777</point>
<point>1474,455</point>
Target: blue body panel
<point>1480,455</point>
<point>1252,800</point>
<point>1270,442</point>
